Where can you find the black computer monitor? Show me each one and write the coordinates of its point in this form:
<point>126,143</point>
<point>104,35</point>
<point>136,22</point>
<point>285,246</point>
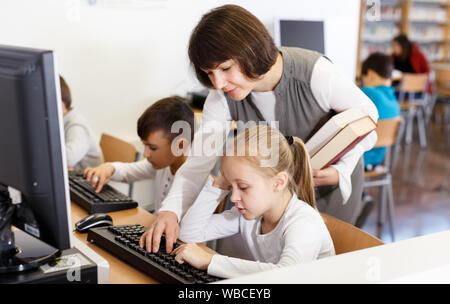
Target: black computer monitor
<point>300,33</point>
<point>34,194</point>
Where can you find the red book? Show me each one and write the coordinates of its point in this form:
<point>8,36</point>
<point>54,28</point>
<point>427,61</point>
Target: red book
<point>342,142</point>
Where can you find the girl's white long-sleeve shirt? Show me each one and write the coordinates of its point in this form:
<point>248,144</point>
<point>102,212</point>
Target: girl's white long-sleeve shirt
<point>331,89</point>
<point>300,235</point>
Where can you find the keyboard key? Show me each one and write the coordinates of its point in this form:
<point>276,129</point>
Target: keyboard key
<point>189,278</point>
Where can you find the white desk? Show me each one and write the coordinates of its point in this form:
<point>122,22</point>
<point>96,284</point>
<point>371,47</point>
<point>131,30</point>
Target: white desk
<point>423,259</point>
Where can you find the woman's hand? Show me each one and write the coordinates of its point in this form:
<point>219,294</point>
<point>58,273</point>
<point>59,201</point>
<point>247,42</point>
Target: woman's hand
<point>221,182</point>
<point>194,255</point>
<point>99,176</point>
<point>166,222</point>
<point>325,177</point>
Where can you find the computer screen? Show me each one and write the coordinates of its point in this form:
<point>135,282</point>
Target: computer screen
<point>32,154</point>
<point>300,33</point>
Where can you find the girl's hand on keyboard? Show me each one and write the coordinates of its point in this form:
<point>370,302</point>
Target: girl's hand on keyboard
<point>194,255</point>
<point>99,176</point>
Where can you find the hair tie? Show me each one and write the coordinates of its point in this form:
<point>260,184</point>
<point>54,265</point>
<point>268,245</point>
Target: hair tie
<point>290,140</point>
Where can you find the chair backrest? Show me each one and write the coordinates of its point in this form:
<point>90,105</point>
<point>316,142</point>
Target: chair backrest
<point>346,237</point>
<point>413,83</point>
<point>198,116</point>
<point>116,149</point>
<point>443,82</point>
<point>387,130</point>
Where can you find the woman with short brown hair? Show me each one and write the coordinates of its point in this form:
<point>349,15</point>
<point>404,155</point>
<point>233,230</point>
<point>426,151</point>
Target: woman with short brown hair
<point>214,41</point>
<point>253,80</point>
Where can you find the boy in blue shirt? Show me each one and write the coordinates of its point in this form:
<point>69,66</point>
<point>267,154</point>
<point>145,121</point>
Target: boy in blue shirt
<point>376,78</point>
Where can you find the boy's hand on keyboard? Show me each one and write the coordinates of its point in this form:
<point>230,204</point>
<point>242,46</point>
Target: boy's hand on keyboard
<point>194,255</point>
<point>99,176</point>
<point>167,223</point>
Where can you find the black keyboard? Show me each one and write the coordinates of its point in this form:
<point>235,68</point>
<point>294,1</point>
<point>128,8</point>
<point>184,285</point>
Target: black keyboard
<point>123,241</point>
<point>107,200</point>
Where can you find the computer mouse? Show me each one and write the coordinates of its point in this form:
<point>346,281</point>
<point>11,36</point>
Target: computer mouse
<point>93,221</point>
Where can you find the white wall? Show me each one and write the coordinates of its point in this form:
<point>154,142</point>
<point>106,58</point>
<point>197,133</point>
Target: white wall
<point>118,61</point>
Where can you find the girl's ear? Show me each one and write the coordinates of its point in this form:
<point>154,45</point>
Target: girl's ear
<point>281,181</point>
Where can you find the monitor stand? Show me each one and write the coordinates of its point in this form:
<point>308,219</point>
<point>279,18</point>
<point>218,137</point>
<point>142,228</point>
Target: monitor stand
<point>28,253</point>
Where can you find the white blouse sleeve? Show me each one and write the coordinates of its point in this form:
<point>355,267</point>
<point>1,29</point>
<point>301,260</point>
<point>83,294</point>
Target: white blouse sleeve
<point>200,224</point>
<point>206,148</point>
<point>333,91</point>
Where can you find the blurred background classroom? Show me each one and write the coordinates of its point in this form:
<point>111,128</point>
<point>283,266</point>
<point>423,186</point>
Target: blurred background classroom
<point>421,172</point>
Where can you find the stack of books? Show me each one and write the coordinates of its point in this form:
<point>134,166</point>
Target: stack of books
<point>337,136</point>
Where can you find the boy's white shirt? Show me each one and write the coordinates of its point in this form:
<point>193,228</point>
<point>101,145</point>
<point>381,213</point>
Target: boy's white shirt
<point>82,150</point>
<point>300,235</point>
<point>332,90</point>
<point>141,170</point>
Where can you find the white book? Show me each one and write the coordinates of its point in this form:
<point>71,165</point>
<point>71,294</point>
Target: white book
<point>331,128</point>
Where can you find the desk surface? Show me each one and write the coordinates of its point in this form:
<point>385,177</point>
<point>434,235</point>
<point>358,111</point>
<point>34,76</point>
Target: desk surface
<point>424,259</point>
<point>403,261</point>
<point>120,272</point>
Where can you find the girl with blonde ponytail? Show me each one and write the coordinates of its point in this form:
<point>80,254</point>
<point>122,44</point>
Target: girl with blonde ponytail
<point>272,188</point>
<point>302,173</point>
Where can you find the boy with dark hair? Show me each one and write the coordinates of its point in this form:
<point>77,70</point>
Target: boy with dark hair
<point>164,153</point>
<point>376,77</point>
<point>82,150</point>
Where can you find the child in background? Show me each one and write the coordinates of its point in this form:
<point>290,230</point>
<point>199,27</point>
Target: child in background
<point>160,162</point>
<point>376,77</point>
<point>407,56</point>
<point>82,150</point>
<point>275,208</point>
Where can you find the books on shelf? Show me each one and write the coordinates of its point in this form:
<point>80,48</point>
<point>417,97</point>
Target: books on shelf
<point>337,136</point>
<point>428,14</point>
<point>425,22</point>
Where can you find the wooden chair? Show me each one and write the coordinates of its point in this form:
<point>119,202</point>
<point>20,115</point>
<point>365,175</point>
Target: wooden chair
<point>442,81</point>
<point>346,237</point>
<point>413,85</point>
<point>115,149</point>
<point>389,133</point>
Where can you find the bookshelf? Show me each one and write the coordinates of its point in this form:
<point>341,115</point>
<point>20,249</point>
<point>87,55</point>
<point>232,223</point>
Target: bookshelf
<point>425,22</point>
